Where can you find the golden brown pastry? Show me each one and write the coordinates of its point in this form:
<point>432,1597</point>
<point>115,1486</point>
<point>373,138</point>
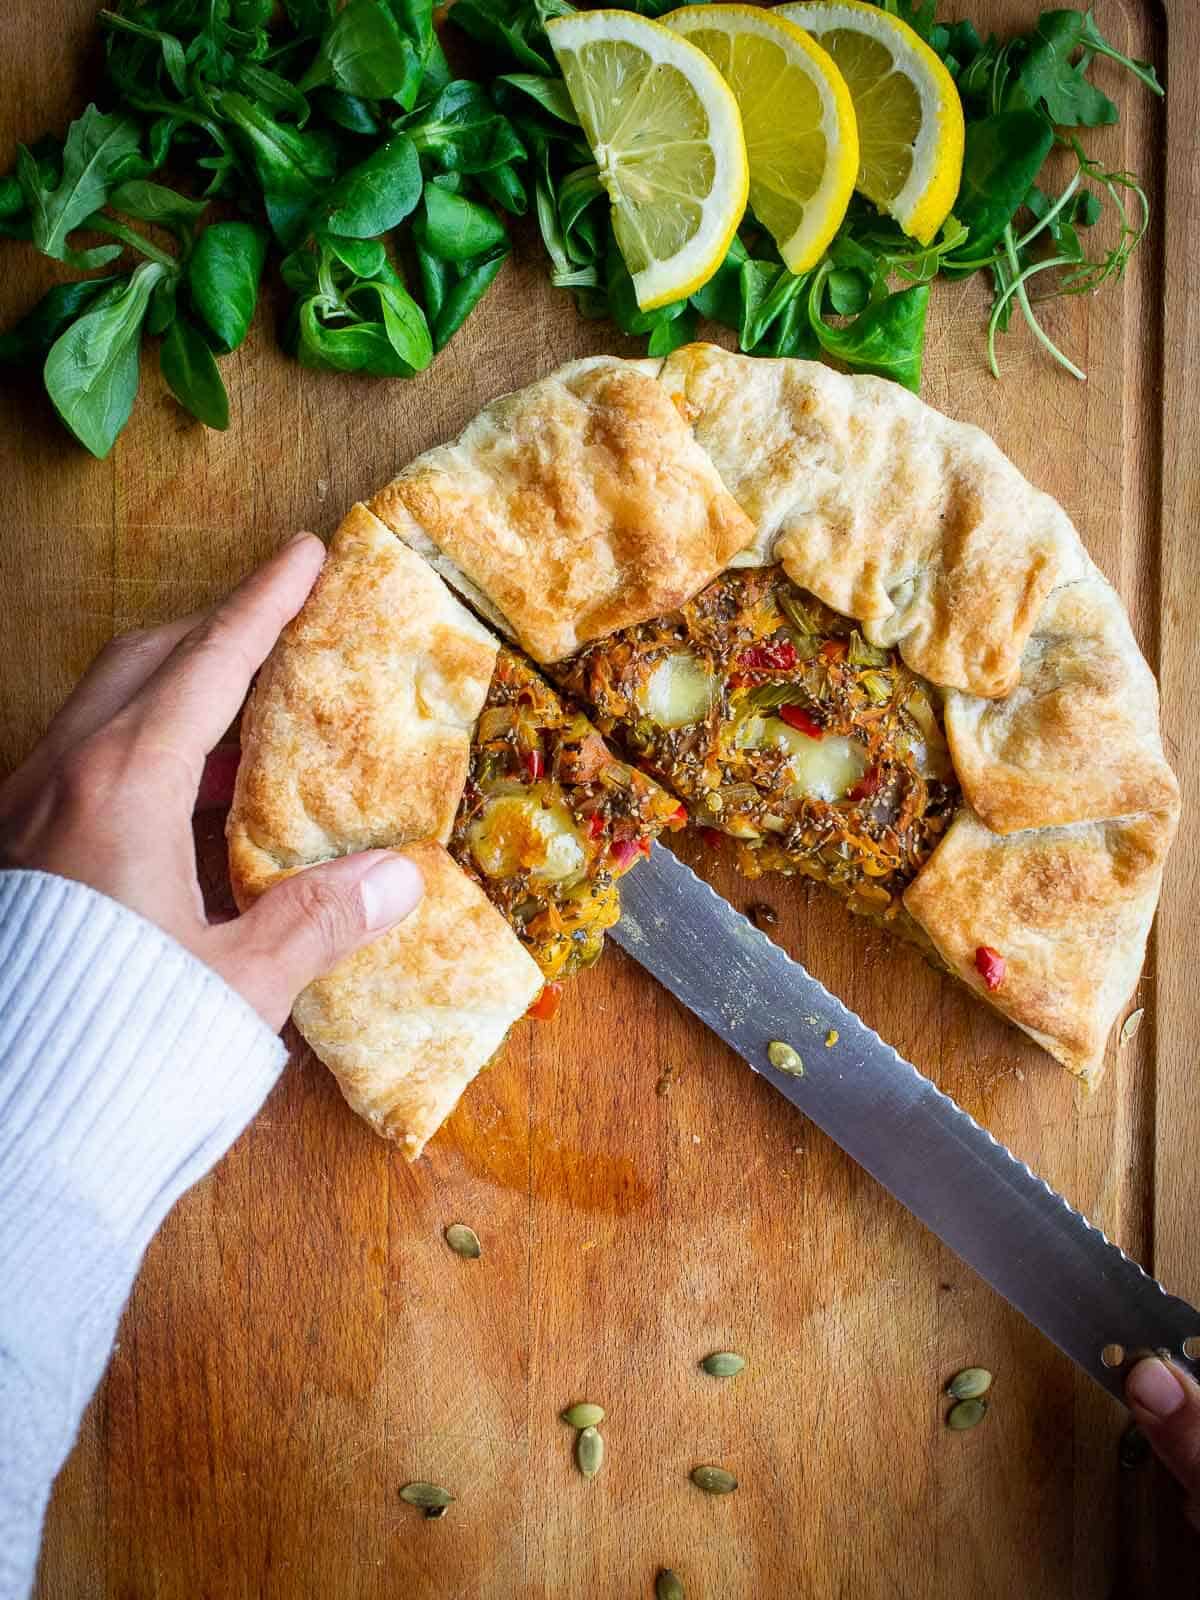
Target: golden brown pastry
<point>1003,794</point>
<point>575,506</point>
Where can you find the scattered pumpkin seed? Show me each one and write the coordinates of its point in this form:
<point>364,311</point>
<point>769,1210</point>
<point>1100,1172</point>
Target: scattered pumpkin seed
<point>1131,1024</point>
<point>723,1364</point>
<point>589,1452</point>
<point>784,1059</point>
<point>1134,1448</point>
<point>463,1241</point>
<point>583,1415</point>
<point>714,1480</point>
<point>763,915</point>
<point>831,1038</point>
<point>667,1586</point>
<point>429,1496</point>
<point>969,1384</point>
<point>966,1414</point>
<point>432,1513</point>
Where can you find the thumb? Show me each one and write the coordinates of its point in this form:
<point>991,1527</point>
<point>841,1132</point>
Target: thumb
<point>1165,1403</point>
<point>307,922</point>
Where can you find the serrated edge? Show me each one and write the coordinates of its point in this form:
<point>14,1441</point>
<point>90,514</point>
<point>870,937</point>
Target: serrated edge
<point>780,956</point>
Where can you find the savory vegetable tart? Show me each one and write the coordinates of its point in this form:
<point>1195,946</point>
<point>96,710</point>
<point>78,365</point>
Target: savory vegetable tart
<point>802,609</point>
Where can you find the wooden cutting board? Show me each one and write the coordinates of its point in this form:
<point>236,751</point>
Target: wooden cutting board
<point>301,1342</point>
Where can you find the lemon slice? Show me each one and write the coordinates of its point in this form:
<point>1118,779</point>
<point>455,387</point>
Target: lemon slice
<point>665,132</point>
<point>910,118</point>
<point>798,119</point>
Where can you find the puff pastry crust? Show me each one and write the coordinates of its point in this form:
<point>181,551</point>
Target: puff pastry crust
<point>606,495</point>
<point>576,506</point>
<point>407,1022</point>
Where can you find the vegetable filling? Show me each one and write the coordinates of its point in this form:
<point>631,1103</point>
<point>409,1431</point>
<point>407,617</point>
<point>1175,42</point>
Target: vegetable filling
<point>779,725</point>
<point>550,819</point>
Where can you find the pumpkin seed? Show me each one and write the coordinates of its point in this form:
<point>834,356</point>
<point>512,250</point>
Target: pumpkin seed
<point>831,1038</point>
<point>429,1496</point>
<point>1131,1024</point>
<point>463,1241</point>
<point>784,1059</point>
<point>969,1384</point>
<point>722,1364</point>
<point>714,1480</point>
<point>966,1414</point>
<point>667,1586</point>
<point>584,1415</point>
<point>589,1452</point>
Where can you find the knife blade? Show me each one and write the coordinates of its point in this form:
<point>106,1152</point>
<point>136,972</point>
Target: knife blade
<point>1025,1239</point>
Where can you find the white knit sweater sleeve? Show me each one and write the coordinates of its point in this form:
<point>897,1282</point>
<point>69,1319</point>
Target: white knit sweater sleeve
<point>127,1068</point>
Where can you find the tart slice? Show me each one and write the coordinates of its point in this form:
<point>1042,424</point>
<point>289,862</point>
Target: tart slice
<point>550,819</point>
<point>777,723</point>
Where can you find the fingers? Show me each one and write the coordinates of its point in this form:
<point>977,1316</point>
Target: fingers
<point>1165,1403</point>
<point>191,699</point>
<point>306,923</point>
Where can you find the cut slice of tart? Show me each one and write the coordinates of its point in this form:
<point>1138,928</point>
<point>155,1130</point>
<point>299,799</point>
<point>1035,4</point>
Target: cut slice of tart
<point>550,819</point>
<point>776,723</point>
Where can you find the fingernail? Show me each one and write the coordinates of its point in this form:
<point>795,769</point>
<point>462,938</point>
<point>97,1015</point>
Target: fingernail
<point>1154,1388</point>
<point>390,890</point>
<point>298,538</point>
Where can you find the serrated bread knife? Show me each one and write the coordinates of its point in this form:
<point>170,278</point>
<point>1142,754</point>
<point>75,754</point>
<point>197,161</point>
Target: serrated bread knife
<point>1035,1249</point>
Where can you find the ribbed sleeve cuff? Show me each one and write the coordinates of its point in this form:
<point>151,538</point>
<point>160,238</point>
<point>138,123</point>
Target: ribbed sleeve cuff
<point>127,1068</point>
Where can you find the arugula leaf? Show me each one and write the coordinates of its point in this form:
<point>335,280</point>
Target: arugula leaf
<point>456,228</point>
<point>192,376</point>
<point>1003,155</point>
<point>1047,77</point>
<point>91,371</point>
<point>363,52</point>
<point>767,289</point>
<point>43,322</point>
<point>223,276</point>
<point>378,193</point>
<point>99,151</point>
<point>12,197</point>
<point>170,50</point>
<point>887,339</point>
<point>1092,39</point>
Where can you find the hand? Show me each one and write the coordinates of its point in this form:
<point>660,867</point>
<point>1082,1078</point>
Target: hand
<point>1165,1403</point>
<point>107,796</point>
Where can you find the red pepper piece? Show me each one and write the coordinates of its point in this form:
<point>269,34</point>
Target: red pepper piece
<point>623,852</point>
<point>534,763</point>
<point>834,650</point>
<point>990,965</point>
<point>867,785</point>
<point>596,824</point>
<point>796,717</point>
<point>545,1007</point>
<point>678,818</point>
<point>770,655</point>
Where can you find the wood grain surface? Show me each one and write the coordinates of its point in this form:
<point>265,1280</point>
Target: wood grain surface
<point>301,1342</point>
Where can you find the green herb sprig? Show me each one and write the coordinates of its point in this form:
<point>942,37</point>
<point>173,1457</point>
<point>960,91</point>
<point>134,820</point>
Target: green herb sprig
<point>338,131</point>
<point>865,303</point>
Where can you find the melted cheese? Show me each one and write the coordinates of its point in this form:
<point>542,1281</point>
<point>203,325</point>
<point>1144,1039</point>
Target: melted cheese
<point>823,769</point>
<point>517,832</point>
<point>677,692</point>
